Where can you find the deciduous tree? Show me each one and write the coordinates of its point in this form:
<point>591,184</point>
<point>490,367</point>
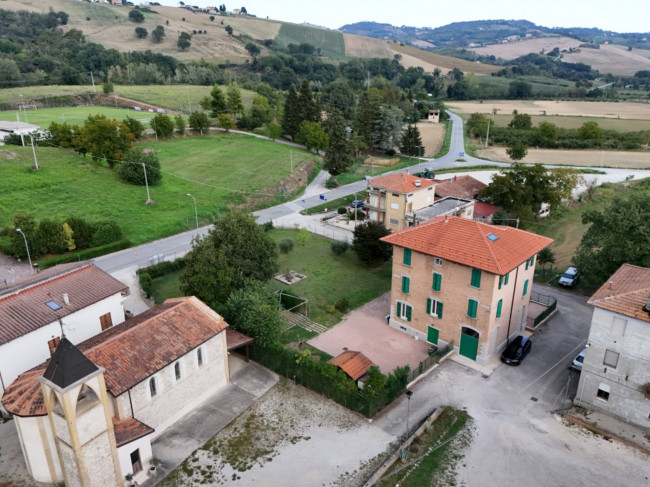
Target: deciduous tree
<point>136,16</point>
<point>179,123</point>
<point>312,136</point>
<point>135,126</point>
<point>367,244</point>
<point>199,121</point>
<point>158,34</point>
<point>387,132</point>
<point>521,121</point>
<point>132,172</point>
<point>105,139</point>
<point>163,125</point>
<point>141,33</point>
<point>517,150</point>
<point>184,41</point>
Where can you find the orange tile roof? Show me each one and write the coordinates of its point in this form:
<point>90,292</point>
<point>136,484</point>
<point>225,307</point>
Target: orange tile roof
<point>22,306</point>
<point>354,364</point>
<point>401,183</point>
<point>129,429</point>
<point>466,242</point>
<point>626,292</point>
<point>234,339</point>
<point>130,352</point>
<point>461,187</point>
<point>484,209</point>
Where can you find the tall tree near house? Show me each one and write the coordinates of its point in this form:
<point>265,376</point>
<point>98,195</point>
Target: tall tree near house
<point>366,114</point>
<point>292,117</point>
<point>218,102</point>
<point>309,109</point>
<point>338,156</point>
<point>387,132</point>
<point>367,244</point>
<point>412,142</point>
<point>233,97</point>
<point>312,136</point>
<point>545,256</point>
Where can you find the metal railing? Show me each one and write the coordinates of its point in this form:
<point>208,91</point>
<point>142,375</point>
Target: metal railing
<point>549,301</point>
<point>429,361</point>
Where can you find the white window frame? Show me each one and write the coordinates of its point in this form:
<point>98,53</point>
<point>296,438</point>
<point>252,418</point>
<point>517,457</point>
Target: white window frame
<point>438,261</point>
<point>605,388</point>
<point>434,305</point>
<point>619,326</point>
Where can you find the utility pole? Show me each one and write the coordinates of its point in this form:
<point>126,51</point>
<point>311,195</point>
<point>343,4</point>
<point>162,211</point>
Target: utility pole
<point>146,183</point>
<point>92,78</point>
<point>487,136</point>
<point>22,103</point>
<point>36,166</point>
<point>22,138</point>
<point>517,222</point>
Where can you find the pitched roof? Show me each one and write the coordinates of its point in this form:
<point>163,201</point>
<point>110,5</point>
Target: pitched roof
<point>354,364</point>
<point>626,292</point>
<point>23,308</point>
<point>484,209</point>
<point>467,242</point>
<point>401,183</point>
<point>460,187</point>
<point>130,352</point>
<point>234,339</point>
<point>129,429</point>
<point>68,365</point>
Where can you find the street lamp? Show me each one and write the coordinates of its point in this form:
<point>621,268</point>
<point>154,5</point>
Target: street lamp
<point>196,215</point>
<point>409,393</point>
<point>31,268</point>
<point>22,103</point>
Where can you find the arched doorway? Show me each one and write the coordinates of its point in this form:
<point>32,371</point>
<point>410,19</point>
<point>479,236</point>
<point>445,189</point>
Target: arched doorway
<point>468,342</point>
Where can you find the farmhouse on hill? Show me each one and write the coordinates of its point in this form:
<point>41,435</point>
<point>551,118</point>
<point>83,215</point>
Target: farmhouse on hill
<point>462,281</point>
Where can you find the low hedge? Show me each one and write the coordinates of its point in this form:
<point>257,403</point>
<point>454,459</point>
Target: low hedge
<point>85,254</point>
<point>164,268</point>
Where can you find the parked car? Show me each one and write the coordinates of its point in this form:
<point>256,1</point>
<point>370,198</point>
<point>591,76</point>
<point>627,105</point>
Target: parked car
<point>570,277</point>
<point>358,204</point>
<point>579,360</point>
<point>516,350</point>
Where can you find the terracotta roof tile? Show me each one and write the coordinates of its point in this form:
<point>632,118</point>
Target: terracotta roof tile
<point>484,209</point>
<point>129,352</point>
<point>626,292</point>
<point>461,187</point>
<point>466,242</point>
<point>354,364</point>
<point>401,183</point>
<point>23,308</point>
<point>234,339</point>
<point>129,429</point>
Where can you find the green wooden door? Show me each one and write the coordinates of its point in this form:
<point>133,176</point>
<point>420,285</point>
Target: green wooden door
<point>432,335</point>
<point>468,345</point>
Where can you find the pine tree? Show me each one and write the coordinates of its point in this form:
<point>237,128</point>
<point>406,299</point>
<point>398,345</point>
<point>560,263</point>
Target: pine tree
<point>292,118</point>
<point>338,156</point>
<point>367,113</point>
<point>233,95</point>
<point>411,142</point>
<point>309,109</point>
<point>218,101</point>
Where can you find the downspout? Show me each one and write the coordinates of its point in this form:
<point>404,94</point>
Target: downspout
<point>512,305</point>
<point>131,403</point>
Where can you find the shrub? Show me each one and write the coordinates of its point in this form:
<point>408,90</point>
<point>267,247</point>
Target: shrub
<point>86,254</point>
<point>332,183</point>
<point>342,305</point>
<point>131,170</point>
<point>342,210</point>
<point>136,16</point>
<point>339,247</point>
<point>146,283</point>
<point>163,268</point>
<point>268,226</point>
<point>285,245</point>
<point>105,232</point>
<point>50,235</point>
<point>82,231</point>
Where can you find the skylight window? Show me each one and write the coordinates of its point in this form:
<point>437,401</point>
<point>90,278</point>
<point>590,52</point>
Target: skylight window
<point>492,237</point>
<point>53,305</point>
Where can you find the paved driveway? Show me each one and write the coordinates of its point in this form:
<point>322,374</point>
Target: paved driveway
<point>365,330</point>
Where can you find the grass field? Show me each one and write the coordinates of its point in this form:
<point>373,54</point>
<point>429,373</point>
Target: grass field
<point>166,287</point>
<point>594,158</point>
<point>74,115</point>
<point>69,184</point>
<point>12,95</point>
<point>444,62</point>
<point>568,122</point>
<point>330,42</point>
<point>541,85</point>
<point>329,277</point>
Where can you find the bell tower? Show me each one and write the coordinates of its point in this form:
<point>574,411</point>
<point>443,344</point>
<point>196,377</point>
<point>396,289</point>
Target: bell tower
<point>77,406</point>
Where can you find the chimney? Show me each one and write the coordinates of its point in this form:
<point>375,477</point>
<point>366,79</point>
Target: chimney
<point>417,183</point>
<point>66,299</point>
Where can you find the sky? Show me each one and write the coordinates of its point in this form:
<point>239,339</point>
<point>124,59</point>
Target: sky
<point>621,16</point>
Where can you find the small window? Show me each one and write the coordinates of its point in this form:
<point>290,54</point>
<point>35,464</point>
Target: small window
<point>394,221</point>
<point>434,307</point>
<point>406,284</point>
<point>476,278</point>
<point>492,237</point>
<point>505,281</point>
<point>611,358</point>
<point>199,356</point>
<point>403,311</point>
<point>407,257</point>
<point>153,389</point>
<point>532,260</point>
<point>525,287</point>
<point>603,392</point>
<point>499,308</point>
<point>177,370</point>
<point>527,262</point>
<point>106,321</point>
<point>472,308</point>
<point>52,344</point>
<point>618,326</point>
<point>437,281</point>
<point>438,261</point>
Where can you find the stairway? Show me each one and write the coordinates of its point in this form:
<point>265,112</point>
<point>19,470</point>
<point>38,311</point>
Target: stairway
<point>296,319</point>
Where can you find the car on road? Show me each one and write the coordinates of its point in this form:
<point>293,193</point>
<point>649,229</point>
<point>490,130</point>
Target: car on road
<point>358,204</point>
<point>579,360</point>
<point>516,350</point>
<point>570,277</point>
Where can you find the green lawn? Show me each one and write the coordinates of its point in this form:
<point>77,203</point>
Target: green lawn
<point>209,167</point>
<point>74,115</point>
<point>330,42</point>
<point>166,287</point>
<point>329,277</point>
<point>12,95</point>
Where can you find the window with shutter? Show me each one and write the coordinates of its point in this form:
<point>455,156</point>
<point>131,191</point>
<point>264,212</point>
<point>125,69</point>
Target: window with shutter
<point>52,344</point>
<point>408,313</point>
<point>472,307</point>
<point>505,281</point>
<point>407,256</point>
<point>500,281</point>
<point>434,307</point>
<point>437,281</point>
<point>105,321</point>
<point>406,282</point>
<point>499,307</point>
<point>476,278</point>
<point>525,287</point>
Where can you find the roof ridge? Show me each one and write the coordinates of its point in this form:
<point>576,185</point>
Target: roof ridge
<point>47,281</point>
<point>625,293</point>
<point>484,238</point>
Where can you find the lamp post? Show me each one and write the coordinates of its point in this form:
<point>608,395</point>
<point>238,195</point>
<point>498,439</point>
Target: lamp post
<point>196,214</point>
<point>409,393</point>
<point>31,268</point>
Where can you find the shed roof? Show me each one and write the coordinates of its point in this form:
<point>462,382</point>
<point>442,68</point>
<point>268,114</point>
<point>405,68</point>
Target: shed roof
<point>129,429</point>
<point>354,364</point>
<point>626,292</point>
<point>460,186</point>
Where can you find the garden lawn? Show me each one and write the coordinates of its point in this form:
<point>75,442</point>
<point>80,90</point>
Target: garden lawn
<point>330,278</point>
<point>167,286</point>
<point>210,168</point>
<point>74,115</point>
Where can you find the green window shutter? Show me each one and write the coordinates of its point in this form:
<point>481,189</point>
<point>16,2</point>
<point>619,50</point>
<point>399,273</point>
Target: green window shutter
<point>505,281</point>
<point>439,309</point>
<point>499,306</point>
<point>476,278</point>
<point>527,262</point>
<point>407,256</point>
<point>525,287</point>
<point>437,281</point>
<point>408,313</point>
<point>399,310</point>
<point>432,335</point>
<point>500,281</point>
<point>405,284</point>
<point>532,260</point>
<point>472,306</point>
<point>428,306</point>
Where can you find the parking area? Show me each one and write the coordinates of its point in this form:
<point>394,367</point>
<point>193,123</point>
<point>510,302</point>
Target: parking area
<point>365,330</point>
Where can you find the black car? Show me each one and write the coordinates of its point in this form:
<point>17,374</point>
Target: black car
<point>516,350</point>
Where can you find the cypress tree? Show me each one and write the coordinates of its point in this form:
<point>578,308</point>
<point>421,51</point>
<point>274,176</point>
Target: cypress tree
<point>291,119</point>
<point>309,109</point>
<point>338,156</point>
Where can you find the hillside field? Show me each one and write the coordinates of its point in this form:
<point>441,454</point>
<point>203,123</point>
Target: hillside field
<point>585,157</point>
<point>212,168</point>
<point>74,115</point>
<point>620,124</point>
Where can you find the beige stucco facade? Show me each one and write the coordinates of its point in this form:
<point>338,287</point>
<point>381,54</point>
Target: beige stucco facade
<point>390,207</point>
<point>456,290</point>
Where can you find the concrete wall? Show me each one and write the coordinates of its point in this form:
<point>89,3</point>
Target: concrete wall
<point>31,350</point>
<point>631,372</point>
<point>175,398</point>
<point>455,294</point>
<point>39,449</point>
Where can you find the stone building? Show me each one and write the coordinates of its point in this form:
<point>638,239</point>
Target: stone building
<point>116,392</point>
<point>615,376</point>
<point>462,281</point>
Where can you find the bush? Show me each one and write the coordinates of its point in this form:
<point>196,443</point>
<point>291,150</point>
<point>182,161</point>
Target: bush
<point>332,183</point>
<point>86,254</point>
<point>163,268</point>
<point>136,16</point>
<point>285,245</point>
<point>268,226</point>
<point>367,244</point>
<point>132,172</point>
<point>50,235</point>
<point>342,305</point>
<point>146,283</point>
<point>105,232</point>
<point>82,231</point>
<point>339,247</point>
<point>360,214</point>
<point>342,210</point>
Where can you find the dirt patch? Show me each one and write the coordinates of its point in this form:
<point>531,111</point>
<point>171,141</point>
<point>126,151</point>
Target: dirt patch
<point>433,136</point>
<point>380,161</point>
<point>593,158</point>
